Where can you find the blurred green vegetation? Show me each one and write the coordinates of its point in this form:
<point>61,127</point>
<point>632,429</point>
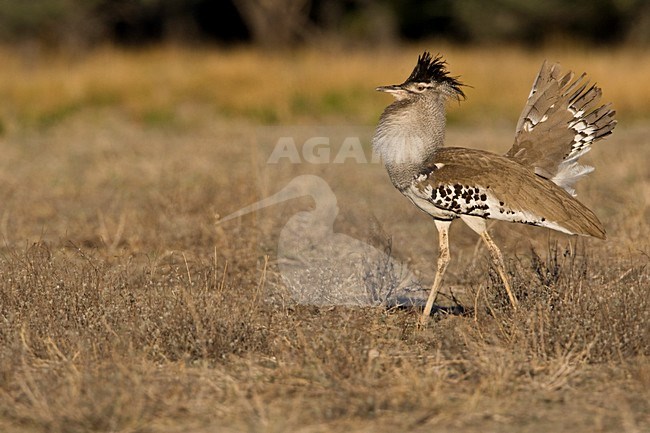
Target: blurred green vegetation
<point>287,23</point>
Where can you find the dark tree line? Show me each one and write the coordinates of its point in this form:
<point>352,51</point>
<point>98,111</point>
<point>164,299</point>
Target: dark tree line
<point>284,23</point>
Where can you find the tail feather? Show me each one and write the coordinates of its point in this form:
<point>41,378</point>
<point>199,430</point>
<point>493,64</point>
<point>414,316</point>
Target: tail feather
<point>559,123</point>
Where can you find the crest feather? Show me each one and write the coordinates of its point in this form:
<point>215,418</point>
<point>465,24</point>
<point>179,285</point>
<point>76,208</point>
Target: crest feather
<point>434,69</point>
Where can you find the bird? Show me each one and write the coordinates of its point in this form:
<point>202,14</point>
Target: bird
<point>323,268</point>
<point>532,183</point>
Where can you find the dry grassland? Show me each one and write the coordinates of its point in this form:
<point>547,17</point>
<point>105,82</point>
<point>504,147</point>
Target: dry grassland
<point>124,307</point>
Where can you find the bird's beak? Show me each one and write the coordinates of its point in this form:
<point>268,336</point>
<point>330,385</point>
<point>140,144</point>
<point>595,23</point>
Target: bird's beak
<point>396,90</point>
<point>389,89</point>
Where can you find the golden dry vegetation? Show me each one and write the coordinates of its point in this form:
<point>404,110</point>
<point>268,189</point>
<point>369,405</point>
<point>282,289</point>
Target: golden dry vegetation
<point>124,307</point>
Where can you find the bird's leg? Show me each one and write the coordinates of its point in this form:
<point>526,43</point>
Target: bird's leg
<point>478,225</point>
<point>497,259</point>
<point>443,261</point>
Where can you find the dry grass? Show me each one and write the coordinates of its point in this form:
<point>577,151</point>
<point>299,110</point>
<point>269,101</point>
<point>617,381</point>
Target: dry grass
<point>124,308</point>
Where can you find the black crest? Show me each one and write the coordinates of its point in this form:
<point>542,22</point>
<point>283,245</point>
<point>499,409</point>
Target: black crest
<point>434,69</point>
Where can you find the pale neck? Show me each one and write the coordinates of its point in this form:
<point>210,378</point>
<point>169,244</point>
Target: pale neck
<point>409,132</point>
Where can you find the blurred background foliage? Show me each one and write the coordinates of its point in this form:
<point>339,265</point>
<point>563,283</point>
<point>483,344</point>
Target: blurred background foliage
<point>160,61</point>
<point>279,24</point>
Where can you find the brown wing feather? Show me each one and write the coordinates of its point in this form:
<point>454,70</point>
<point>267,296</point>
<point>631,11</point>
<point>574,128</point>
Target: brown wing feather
<point>474,182</point>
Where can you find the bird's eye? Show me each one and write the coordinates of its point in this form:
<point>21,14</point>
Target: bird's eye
<point>421,87</point>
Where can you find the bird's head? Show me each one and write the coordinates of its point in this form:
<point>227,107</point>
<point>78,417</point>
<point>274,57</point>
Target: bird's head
<point>430,76</point>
